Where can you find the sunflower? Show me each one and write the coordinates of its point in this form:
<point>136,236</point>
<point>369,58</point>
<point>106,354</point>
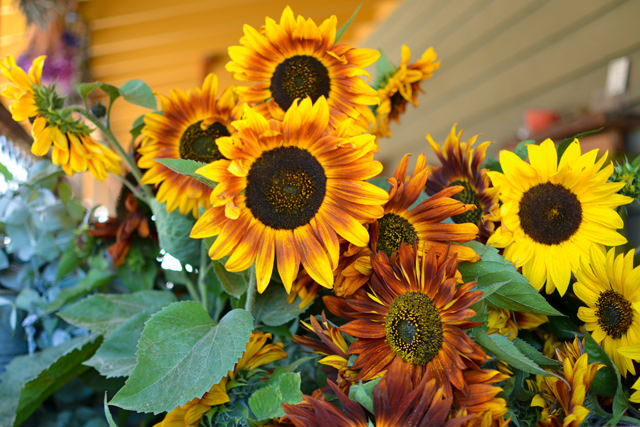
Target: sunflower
<point>562,402</point>
<point>632,351</point>
<point>297,59</point>
<point>288,190</point>
<point>461,166</point>
<point>188,128</point>
<point>74,149</point>
<point>257,353</point>
<point>413,312</point>
<point>396,402</point>
<point>609,288</point>
<point>403,223</point>
<point>553,212</point>
<point>22,87</point>
<point>332,346</point>
<point>480,398</point>
<point>402,87</point>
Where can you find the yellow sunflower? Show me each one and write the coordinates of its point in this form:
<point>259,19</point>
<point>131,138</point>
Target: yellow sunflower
<point>402,87</point>
<point>632,351</point>
<point>403,222</point>
<point>289,189</point>
<point>461,166</point>
<point>21,87</point>
<point>608,284</point>
<point>187,128</point>
<point>553,212</point>
<point>74,149</point>
<point>562,402</point>
<point>257,353</point>
<point>508,323</point>
<point>415,313</point>
<point>297,58</point>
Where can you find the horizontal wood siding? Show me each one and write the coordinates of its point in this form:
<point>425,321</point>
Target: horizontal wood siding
<point>501,57</point>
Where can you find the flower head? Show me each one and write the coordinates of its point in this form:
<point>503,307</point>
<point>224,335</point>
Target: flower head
<point>553,212</point>
<point>460,165</point>
<point>413,312</point>
<point>287,191</point>
<point>402,87</point>
<point>296,59</point>
<point>608,285</point>
<point>188,128</point>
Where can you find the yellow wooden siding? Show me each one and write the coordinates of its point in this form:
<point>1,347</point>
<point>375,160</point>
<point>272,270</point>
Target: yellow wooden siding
<point>501,57</point>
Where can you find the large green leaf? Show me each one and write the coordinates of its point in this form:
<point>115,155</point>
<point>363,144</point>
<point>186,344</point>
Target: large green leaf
<point>181,354</point>
<point>173,234</point>
<point>363,393</point>
<point>508,288</point>
<point>93,280</point>
<point>235,284</point>
<point>188,168</point>
<point>116,357</point>
<point>104,313</point>
<point>267,401</point>
<point>508,352</point>
<point>30,379</point>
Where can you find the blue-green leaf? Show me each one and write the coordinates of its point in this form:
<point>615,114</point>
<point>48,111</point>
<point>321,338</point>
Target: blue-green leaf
<point>267,401</point>
<point>139,93</point>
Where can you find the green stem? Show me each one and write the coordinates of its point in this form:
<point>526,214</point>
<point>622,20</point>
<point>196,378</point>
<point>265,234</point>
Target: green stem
<point>252,289</point>
<point>202,275</point>
<point>192,290</point>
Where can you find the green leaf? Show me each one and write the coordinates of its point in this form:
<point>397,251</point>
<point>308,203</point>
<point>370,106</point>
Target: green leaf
<point>139,93</point>
<point>69,260</point>
<point>173,234</point>
<point>562,145</point>
<point>30,379</point>
<point>384,70</point>
<point>112,91</point>
<point>137,126</point>
<point>235,284</point>
<point>93,280</point>
<point>104,313</point>
<point>533,354</point>
<point>515,293</point>
<point>346,24</point>
<point>116,357</point>
<point>362,393</point>
<point>507,351</point>
<point>607,381</point>
<point>181,354</point>
<point>188,168</point>
<point>521,149</point>
<point>86,88</point>
<point>272,308</point>
<point>267,402</point>
<point>107,412</point>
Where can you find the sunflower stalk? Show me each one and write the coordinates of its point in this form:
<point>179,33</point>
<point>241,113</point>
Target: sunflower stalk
<point>202,276</point>
<point>252,288</point>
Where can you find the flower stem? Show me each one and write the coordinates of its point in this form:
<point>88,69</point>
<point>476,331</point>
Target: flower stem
<point>251,291</point>
<point>192,290</point>
<point>202,276</point>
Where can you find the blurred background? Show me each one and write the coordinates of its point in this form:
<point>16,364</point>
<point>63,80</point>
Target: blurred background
<point>511,70</point>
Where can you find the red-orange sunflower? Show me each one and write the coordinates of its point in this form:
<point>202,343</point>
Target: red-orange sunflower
<point>401,222</point>
<point>188,128</point>
<point>461,166</point>
<point>413,311</point>
<point>297,58</point>
<point>288,190</point>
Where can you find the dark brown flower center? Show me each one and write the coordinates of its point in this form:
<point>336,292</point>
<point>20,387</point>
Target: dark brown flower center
<point>468,196</point>
<point>614,313</point>
<point>393,230</point>
<point>199,144</point>
<point>285,187</point>
<point>298,77</point>
<point>550,213</point>
<point>413,328</point>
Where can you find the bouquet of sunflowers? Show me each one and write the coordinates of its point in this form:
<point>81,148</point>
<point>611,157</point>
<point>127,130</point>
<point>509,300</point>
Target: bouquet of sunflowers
<point>312,292</point>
